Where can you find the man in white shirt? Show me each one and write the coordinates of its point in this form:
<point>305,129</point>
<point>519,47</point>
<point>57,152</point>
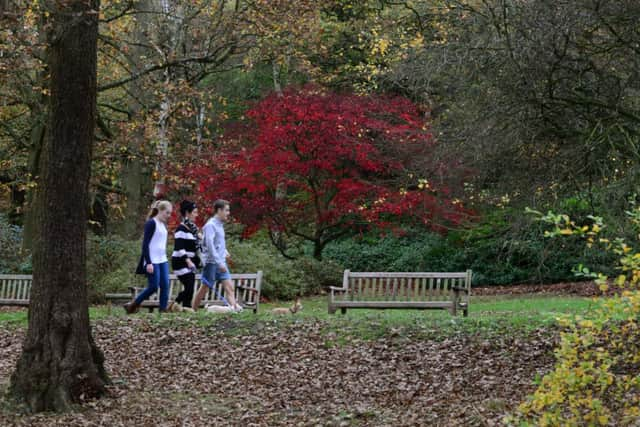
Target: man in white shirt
<point>214,257</point>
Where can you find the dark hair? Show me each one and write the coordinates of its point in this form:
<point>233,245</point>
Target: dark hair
<point>186,207</point>
<point>219,204</point>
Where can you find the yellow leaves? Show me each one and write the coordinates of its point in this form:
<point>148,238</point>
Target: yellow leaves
<point>381,46</point>
<point>593,346</point>
<point>586,323</point>
<point>418,41</point>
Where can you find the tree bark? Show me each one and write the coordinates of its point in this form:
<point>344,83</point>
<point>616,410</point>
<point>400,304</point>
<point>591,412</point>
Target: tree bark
<point>60,363</point>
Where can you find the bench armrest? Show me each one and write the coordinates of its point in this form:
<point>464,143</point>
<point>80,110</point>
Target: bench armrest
<point>458,288</point>
<point>337,288</point>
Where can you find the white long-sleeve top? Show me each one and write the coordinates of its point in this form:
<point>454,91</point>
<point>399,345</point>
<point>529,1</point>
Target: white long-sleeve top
<point>158,244</point>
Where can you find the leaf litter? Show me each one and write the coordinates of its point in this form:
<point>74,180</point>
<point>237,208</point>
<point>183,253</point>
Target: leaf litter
<point>185,373</point>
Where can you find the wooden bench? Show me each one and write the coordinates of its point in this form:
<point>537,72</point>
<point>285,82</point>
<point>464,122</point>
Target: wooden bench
<point>449,291</point>
<point>247,286</point>
<point>15,289</point>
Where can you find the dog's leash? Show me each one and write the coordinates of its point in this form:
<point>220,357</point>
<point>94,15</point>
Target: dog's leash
<point>220,297</point>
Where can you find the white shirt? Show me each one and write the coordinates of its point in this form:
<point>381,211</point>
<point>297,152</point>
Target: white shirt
<point>158,244</point>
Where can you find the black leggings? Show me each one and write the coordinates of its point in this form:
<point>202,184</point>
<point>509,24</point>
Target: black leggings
<point>186,295</point>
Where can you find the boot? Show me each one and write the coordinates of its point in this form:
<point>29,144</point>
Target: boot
<point>131,307</point>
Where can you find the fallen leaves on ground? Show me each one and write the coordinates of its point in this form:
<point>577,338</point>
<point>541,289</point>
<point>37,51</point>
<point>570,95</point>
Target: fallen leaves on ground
<point>194,375</point>
<point>582,289</point>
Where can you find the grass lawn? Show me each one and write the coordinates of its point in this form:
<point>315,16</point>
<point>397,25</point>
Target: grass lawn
<point>487,315</point>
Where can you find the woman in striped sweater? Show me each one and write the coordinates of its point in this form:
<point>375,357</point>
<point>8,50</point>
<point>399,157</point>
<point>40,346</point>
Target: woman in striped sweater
<point>185,258</point>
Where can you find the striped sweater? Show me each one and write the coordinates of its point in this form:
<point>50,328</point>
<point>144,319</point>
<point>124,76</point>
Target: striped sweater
<point>186,247</point>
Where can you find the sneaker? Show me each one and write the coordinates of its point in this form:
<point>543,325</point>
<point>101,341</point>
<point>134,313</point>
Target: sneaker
<point>188,310</point>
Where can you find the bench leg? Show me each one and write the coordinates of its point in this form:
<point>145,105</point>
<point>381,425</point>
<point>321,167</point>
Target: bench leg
<point>465,313</point>
<point>454,303</point>
<point>330,307</point>
<point>343,310</point>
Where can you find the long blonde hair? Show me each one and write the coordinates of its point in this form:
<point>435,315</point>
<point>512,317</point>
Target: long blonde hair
<point>158,206</point>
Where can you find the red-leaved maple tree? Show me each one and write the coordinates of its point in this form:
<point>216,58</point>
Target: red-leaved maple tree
<point>317,166</point>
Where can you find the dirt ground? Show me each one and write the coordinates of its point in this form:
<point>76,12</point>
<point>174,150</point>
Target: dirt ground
<point>195,375</point>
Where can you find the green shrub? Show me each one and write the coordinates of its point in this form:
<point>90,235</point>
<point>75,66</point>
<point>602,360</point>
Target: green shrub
<point>504,248</point>
<point>283,278</point>
<point>12,260</point>
<point>595,380</point>
<point>418,251</point>
<point>111,263</point>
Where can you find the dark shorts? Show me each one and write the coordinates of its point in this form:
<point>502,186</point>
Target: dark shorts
<point>212,275</point>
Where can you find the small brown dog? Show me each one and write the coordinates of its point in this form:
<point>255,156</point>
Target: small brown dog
<point>296,307</point>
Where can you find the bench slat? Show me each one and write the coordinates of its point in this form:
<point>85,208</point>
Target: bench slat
<point>19,292</point>
<point>26,290</point>
<point>20,302</point>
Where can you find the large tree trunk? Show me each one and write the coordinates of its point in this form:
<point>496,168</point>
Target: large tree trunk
<point>60,364</point>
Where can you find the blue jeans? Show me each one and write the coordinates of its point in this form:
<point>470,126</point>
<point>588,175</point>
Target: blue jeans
<point>159,278</point>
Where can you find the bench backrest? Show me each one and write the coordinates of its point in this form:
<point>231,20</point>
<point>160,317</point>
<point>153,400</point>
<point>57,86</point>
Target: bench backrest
<point>386,286</point>
<point>248,287</point>
<point>15,287</point>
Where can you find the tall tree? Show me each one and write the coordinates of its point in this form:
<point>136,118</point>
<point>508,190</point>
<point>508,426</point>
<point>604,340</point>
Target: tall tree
<point>60,363</point>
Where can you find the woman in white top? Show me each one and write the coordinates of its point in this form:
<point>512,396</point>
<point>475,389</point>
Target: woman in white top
<point>153,261</point>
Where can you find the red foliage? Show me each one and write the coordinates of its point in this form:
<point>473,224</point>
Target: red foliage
<point>315,164</point>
